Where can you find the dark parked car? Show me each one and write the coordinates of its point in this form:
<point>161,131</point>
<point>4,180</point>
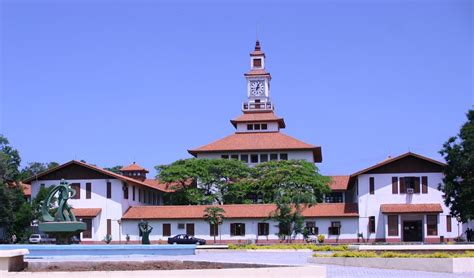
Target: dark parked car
<point>185,239</point>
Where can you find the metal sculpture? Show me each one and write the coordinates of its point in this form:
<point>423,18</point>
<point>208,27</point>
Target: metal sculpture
<point>145,231</point>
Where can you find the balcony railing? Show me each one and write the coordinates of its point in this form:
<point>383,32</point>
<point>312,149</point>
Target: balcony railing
<point>258,106</point>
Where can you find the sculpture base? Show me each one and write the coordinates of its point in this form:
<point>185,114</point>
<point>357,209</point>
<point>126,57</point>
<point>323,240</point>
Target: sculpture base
<point>62,231</point>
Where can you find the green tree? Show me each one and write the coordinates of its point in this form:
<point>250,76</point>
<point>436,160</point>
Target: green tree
<point>9,161</point>
<point>213,178</point>
<point>215,217</point>
<point>34,168</point>
<point>37,202</point>
<point>458,182</point>
<point>115,169</point>
<point>292,185</point>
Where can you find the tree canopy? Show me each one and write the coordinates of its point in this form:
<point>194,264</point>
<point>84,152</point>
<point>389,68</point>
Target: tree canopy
<point>458,185</point>
<point>34,168</point>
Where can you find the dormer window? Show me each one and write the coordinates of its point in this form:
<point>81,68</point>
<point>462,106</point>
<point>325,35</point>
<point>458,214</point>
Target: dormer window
<point>250,127</point>
<point>264,126</point>
<point>257,126</point>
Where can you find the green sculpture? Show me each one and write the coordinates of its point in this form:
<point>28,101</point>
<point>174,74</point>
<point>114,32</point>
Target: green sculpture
<point>63,224</point>
<point>145,231</point>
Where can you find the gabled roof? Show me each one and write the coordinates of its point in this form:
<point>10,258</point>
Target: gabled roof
<point>250,117</point>
<point>134,167</point>
<point>236,211</point>
<point>394,159</point>
<point>411,208</point>
<point>91,167</point>
<point>339,182</point>
<point>258,141</point>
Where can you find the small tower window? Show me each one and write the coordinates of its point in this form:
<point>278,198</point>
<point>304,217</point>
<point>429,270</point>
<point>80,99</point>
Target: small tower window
<point>257,126</point>
<point>264,126</point>
<point>257,63</point>
<point>250,127</point>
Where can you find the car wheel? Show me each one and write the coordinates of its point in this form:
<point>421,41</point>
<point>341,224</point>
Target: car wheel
<point>175,243</point>
<point>198,243</point>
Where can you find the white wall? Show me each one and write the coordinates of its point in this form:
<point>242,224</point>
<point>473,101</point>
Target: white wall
<point>202,229</point>
<point>369,205</point>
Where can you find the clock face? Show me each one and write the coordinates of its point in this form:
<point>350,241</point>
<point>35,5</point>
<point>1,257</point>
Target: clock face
<point>257,88</point>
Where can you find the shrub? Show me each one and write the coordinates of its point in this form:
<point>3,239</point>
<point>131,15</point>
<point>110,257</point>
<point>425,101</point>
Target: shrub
<point>366,254</point>
<point>321,238</point>
<point>289,246</point>
<point>107,238</point>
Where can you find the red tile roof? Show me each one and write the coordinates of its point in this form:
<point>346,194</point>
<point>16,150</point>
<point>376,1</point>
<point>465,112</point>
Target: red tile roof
<point>86,212</point>
<point>133,167</point>
<point>92,167</point>
<point>235,211</point>
<point>339,182</point>
<point>164,186</point>
<point>411,208</point>
<point>392,159</point>
<point>258,141</point>
<point>249,117</point>
<point>256,72</point>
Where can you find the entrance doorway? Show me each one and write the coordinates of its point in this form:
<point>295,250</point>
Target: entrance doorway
<point>190,229</point>
<point>412,231</point>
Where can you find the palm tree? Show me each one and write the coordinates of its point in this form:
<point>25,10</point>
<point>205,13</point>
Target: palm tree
<point>215,216</point>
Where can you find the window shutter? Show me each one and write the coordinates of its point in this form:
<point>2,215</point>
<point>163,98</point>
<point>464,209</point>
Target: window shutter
<point>417,185</point>
<point>424,185</point>
<point>402,185</point>
<point>394,185</point>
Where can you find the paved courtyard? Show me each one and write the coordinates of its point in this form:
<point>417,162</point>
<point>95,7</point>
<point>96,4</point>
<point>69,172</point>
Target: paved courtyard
<point>286,258</point>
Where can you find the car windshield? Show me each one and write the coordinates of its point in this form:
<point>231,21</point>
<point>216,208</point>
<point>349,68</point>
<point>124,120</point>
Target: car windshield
<point>34,236</point>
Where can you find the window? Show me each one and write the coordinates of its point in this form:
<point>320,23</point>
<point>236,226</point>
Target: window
<point>256,126</point>
<point>133,192</point>
<point>88,232</point>
<point>264,127</point>
<point>244,158</point>
<point>225,156</point>
<point>334,197</point>
<point>166,229</point>
<point>257,63</point>
<point>335,228</point>
<point>448,224</point>
<point>42,185</point>
<point>432,224</point>
<point>424,185</point>
<point>283,156</point>
<point>250,127</point>
<point>88,190</point>
<point>237,229</point>
<point>263,229</point>
<point>180,226</point>
<point>372,224</point>
<point>263,158</point>
<point>372,185</point>
<point>76,187</point>
<point>139,195</point>
<point>109,226</point>
<point>125,191</point>
<point>109,190</point>
<point>394,185</point>
<point>311,228</point>
<point>273,156</point>
<point>254,158</point>
<point>410,182</point>
<point>393,225</point>
<point>234,156</point>
<point>213,229</point>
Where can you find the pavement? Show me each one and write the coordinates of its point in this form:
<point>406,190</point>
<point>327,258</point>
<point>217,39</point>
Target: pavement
<point>278,258</point>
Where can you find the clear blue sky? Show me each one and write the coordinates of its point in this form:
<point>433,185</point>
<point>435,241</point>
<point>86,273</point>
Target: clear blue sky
<point>113,83</point>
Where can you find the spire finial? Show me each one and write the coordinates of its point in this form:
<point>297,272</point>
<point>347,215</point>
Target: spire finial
<point>257,45</point>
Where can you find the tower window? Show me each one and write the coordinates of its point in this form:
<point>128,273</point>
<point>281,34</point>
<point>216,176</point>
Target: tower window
<point>257,63</point>
<point>264,126</point>
<point>250,127</point>
<point>257,126</point>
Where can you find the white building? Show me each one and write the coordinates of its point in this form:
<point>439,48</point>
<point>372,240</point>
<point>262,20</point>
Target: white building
<point>102,196</point>
<point>392,201</point>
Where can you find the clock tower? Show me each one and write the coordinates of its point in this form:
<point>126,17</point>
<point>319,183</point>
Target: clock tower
<point>258,83</point>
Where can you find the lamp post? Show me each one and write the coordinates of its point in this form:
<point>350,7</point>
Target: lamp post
<point>459,230</point>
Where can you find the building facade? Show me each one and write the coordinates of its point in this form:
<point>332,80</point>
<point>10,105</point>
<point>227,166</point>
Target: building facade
<point>393,201</point>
